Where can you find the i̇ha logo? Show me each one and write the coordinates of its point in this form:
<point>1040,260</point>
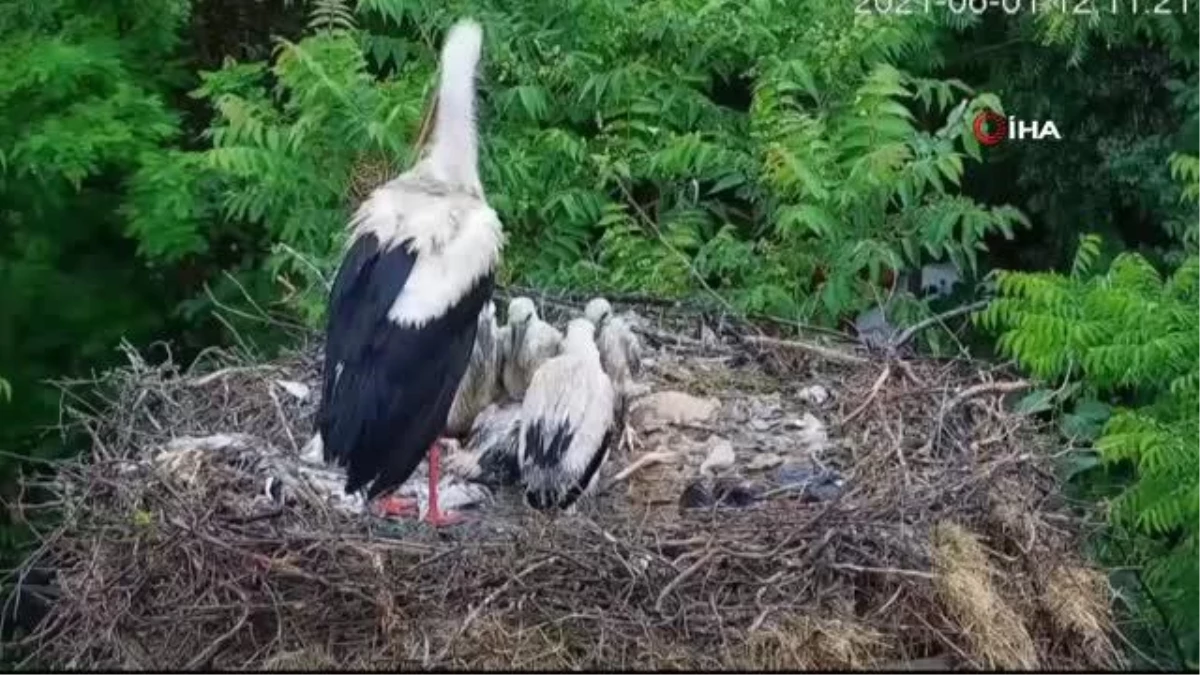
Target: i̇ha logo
<point>991,127</point>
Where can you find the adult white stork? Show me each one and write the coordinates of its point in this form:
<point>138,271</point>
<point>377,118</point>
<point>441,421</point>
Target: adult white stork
<point>528,343</point>
<point>478,387</point>
<point>620,355</point>
<point>404,306</point>
<point>566,423</point>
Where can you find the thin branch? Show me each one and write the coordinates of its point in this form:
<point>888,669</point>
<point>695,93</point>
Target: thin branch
<point>474,613</point>
<point>812,348</point>
<point>919,326</point>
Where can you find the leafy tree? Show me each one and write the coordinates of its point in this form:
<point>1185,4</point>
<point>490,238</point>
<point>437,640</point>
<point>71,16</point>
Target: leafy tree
<point>772,154</point>
<point>1126,339</point>
<point>81,106</point>
<point>1124,91</point>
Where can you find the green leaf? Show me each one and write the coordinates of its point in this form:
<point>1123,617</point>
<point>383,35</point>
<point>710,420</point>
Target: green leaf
<point>1036,401</point>
<point>1077,463</point>
<point>730,180</point>
<point>1086,421</point>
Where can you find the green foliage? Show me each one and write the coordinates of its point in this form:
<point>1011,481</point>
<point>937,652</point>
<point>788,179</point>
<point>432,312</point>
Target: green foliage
<point>1126,328</point>
<point>861,190</point>
<point>1128,336</point>
<point>330,16</point>
<point>81,105</point>
<point>1123,90</point>
<point>772,154</point>
<point>1185,227</point>
<point>1086,256</point>
<point>287,142</point>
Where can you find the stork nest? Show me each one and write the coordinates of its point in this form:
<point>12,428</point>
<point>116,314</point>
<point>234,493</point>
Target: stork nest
<point>947,541</point>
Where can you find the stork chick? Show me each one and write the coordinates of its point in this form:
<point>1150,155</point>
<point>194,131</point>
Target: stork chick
<point>490,454</point>
<point>478,387</point>
<point>530,342</point>
<point>621,356</point>
<point>566,423</point>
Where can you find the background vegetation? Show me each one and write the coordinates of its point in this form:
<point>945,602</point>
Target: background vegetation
<point>160,159</point>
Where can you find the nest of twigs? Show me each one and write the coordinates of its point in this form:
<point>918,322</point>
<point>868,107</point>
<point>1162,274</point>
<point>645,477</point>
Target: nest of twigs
<point>947,542</point>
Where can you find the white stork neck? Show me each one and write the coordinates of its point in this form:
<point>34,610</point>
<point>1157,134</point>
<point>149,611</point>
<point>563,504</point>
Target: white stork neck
<point>455,148</point>
<point>580,339</point>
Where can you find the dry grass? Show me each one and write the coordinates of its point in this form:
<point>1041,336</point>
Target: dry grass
<point>1077,601</point>
<point>811,644</point>
<point>964,578</point>
<point>177,561</point>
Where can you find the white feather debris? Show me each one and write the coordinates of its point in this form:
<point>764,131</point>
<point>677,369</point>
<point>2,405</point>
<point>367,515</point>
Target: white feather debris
<point>453,494</point>
<point>633,319</point>
<point>183,464</point>
<point>322,482</point>
<point>939,279</point>
<point>659,409</point>
<point>720,456</point>
<point>183,457</point>
<point>313,451</point>
<point>268,489</point>
<point>873,328</point>
<point>814,395</point>
<point>210,443</point>
<point>298,390</point>
<point>635,390</point>
<point>811,434</point>
<point>764,461</point>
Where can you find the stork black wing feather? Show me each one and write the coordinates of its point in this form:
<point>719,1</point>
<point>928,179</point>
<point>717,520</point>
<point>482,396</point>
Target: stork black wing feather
<point>388,388</point>
<point>589,472</point>
<point>498,463</point>
<point>350,282</point>
<point>547,449</point>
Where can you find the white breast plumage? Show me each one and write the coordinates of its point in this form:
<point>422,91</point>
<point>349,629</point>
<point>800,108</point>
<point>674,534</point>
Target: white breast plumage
<point>457,238</point>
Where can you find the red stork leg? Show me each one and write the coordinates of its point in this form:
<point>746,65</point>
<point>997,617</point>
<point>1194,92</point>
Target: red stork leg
<point>436,516</point>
